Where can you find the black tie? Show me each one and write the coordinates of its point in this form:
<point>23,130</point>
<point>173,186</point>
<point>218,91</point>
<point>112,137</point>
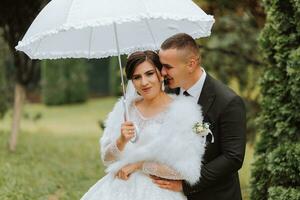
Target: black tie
<point>185,93</point>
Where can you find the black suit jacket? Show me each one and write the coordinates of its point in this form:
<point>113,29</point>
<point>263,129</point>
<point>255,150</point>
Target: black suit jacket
<point>225,111</point>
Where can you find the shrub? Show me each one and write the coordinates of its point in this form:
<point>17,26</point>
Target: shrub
<point>276,168</point>
<point>281,193</point>
<point>64,81</point>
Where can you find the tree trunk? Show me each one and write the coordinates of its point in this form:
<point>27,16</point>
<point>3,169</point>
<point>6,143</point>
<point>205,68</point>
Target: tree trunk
<point>18,105</point>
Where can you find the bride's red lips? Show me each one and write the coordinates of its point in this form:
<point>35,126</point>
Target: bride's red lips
<point>146,89</point>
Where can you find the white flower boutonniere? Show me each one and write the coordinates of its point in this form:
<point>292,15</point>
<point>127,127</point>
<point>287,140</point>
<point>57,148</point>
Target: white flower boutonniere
<point>202,129</point>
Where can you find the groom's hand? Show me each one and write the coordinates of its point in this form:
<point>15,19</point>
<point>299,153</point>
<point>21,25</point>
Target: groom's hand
<point>174,185</point>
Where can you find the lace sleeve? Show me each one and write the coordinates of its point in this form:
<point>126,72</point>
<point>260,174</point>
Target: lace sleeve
<point>160,170</point>
<point>111,154</point>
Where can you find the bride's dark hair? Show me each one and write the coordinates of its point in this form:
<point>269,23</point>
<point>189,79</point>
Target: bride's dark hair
<point>139,57</point>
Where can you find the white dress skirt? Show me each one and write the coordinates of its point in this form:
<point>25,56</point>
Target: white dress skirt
<point>139,186</point>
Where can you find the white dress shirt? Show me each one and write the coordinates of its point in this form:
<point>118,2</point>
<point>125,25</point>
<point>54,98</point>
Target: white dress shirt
<point>196,89</point>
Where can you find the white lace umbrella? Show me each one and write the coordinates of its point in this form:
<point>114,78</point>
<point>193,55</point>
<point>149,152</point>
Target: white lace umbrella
<point>102,28</point>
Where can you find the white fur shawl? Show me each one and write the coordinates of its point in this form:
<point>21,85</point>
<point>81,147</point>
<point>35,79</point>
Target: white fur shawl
<point>177,145</point>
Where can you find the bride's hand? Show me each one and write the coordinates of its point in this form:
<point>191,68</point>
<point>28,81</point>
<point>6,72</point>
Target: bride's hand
<point>127,132</point>
<point>126,171</point>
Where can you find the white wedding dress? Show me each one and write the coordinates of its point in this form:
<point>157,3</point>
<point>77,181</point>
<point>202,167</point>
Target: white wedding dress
<point>139,186</point>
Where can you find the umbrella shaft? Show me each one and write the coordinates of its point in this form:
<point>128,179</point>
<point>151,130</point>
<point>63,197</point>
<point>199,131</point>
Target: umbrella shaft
<point>122,75</point>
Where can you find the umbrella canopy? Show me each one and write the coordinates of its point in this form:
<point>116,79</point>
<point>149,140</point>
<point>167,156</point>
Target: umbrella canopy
<point>102,28</point>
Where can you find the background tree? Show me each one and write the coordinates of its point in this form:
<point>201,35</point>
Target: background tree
<point>5,95</point>
<point>64,81</point>
<point>276,169</point>
<point>4,102</point>
<point>104,76</point>
<point>15,18</point>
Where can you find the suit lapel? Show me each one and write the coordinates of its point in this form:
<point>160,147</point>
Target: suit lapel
<point>207,96</point>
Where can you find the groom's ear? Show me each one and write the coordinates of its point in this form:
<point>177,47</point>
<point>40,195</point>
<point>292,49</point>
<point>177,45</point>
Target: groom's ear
<point>192,64</point>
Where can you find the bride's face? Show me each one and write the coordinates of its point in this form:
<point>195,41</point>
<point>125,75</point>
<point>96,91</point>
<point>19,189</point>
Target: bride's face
<point>147,80</point>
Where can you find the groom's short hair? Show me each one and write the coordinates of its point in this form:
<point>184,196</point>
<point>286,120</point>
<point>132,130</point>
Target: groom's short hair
<point>181,41</point>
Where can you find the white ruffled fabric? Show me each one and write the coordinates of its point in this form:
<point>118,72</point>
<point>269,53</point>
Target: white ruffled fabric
<point>84,28</point>
<point>166,138</point>
<point>111,153</point>
<point>138,187</point>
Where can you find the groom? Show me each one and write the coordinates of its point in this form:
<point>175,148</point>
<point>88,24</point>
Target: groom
<point>222,108</point>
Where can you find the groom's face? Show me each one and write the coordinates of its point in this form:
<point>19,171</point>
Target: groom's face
<point>174,70</point>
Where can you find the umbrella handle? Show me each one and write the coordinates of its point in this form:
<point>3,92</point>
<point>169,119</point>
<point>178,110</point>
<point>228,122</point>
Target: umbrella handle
<point>126,113</point>
<point>136,131</point>
<point>126,117</point>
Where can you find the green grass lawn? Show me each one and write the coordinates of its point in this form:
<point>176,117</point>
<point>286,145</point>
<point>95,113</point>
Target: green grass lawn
<point>57,156</point>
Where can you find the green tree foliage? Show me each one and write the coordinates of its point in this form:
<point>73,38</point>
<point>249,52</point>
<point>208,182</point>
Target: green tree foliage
<point>276,169</point>
<point>281,193</point>
<point>115,85</point>
<point>3,101</point>
<point>15,18</point>
<point>5,85</point>
<point>98,78</point>
<point>230,53</point>
<point>104,76</point>
<point>64,81</point>
<point>3,92</point>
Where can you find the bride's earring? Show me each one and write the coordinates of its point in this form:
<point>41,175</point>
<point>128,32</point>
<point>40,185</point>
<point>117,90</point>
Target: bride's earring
<point>163,85</point>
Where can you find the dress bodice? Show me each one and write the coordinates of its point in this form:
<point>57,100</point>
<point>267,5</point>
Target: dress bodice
<point>148,127</point>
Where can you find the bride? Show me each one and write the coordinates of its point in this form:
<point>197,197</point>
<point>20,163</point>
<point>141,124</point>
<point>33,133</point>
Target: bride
<point>166,146</point>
